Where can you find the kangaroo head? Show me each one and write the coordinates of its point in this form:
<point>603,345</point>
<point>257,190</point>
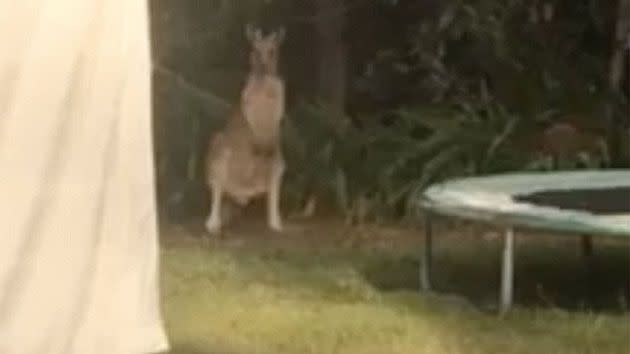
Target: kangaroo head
<point>264,49</point>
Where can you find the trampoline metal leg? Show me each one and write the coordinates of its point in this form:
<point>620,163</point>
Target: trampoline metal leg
<point>587,246</point>
<point>507,271</point>
<point>586,243</point>
<point>425,261</point>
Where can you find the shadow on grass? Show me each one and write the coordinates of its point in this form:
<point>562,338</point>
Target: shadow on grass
<point>546,275</point>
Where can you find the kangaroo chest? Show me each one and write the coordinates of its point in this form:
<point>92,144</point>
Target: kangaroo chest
<point>263,107</point>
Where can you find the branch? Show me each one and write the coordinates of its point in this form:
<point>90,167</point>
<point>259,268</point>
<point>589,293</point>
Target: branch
<point>191,87</point>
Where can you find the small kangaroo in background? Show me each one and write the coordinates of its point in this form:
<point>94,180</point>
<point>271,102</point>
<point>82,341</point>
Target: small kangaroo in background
<point>244,159</point>
<point>564,141</point>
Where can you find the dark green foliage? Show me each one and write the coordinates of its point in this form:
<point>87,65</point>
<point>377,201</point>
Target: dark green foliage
<point>380,167</point>
<point>436,89</point>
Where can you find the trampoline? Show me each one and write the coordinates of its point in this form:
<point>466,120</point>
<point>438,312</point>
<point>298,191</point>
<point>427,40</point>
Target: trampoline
<point>585,203</point>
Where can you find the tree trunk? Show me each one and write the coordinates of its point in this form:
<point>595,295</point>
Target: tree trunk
<point>618,128</point>
<point>332,53</point>
<point>332,71</point>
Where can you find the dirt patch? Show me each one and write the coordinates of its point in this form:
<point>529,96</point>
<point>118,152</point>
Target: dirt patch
<point>251,231</point>
<point>325,233</point>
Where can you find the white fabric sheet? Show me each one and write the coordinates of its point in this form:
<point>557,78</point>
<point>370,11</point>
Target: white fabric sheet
<point>79,246</point>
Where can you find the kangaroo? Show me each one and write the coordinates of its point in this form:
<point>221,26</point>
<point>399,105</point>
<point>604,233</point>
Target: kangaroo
<point>244,159</point>
<point>564,141</point>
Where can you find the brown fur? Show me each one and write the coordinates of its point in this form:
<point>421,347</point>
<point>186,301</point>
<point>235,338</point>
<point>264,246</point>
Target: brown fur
<point>244,159</point>
<point>238,161</point>
<point>564,140</point>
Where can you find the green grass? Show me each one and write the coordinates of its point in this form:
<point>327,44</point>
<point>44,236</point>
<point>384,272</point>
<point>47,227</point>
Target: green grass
<point>276,300</point>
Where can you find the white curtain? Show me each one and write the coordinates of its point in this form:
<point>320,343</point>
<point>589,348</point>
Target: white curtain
<point>78,239</point>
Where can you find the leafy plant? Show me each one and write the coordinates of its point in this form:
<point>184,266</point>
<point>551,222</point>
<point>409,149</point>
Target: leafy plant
<point>468,140</point>
<point>379,169</point>
<point>314,135</point>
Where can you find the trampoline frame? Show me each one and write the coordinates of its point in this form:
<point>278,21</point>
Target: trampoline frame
<point>508,226</point>
<point>508,234</point>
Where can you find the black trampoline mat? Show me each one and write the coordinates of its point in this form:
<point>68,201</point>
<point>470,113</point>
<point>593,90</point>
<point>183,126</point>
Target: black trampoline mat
<point>600,201</point>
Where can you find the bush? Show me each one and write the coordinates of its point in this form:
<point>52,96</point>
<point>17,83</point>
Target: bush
<point>376,170</point>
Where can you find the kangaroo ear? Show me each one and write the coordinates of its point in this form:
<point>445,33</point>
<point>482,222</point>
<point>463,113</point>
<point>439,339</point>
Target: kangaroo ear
<point>280,34</point>
<point>251,33</point>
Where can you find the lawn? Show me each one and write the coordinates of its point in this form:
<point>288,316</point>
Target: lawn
<point>326,289</point>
